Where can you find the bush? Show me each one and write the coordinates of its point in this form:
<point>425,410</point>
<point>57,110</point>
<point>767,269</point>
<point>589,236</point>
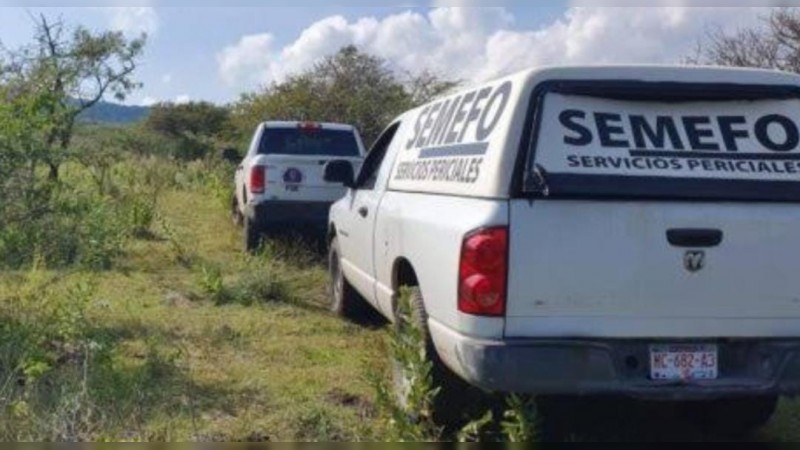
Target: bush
<point>81,229</point>
<point>84,222</point>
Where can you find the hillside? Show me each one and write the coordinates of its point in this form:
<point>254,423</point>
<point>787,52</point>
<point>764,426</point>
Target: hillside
<point>108,112</point>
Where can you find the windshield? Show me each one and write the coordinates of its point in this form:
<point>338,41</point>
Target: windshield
<point>588,145</point>
<point>300,141</point>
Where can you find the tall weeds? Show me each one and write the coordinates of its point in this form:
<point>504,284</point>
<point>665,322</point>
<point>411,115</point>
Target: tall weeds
<point>407,406</point>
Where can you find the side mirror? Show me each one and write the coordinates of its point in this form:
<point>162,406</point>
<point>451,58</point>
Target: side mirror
<point>230,155</point>
<point>340,171</point>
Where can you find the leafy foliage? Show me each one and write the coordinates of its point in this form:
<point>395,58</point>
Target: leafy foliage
<point>197,118</point>
<point>71,71</point>
<point>193,129</point>
<point>349,87</point>
<point>412,418</point>
<point>62,220</point>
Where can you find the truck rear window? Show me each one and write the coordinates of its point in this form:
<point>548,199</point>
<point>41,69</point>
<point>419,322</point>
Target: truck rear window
<point>731,145</point>
<point>301,141</point>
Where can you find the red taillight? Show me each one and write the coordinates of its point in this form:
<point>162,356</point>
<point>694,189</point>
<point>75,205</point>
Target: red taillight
<point>483,272</point>
<point>258,179</point>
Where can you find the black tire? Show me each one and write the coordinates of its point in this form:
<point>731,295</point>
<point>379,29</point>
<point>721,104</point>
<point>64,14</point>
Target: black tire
<point>345,302</point>
<point>457,402</point>
<point>738,416</point>
<point>252,236</point>
<point>236,216</point>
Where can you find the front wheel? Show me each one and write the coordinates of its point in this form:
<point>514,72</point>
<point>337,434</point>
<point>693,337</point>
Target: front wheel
<point>344,300</point>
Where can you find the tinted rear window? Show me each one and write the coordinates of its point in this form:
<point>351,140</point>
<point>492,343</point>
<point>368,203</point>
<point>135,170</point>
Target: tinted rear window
<point>296,141</point>
<point>733,147</point>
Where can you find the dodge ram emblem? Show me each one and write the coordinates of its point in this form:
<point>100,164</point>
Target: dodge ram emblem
<point>694,260</point>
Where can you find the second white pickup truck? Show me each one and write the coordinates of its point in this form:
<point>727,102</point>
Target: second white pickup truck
<point>279,184</point>
<point>595,230</point>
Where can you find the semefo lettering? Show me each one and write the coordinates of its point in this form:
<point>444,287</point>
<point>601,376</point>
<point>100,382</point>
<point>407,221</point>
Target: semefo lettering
<point>774,132</point>
<point>464,118</point>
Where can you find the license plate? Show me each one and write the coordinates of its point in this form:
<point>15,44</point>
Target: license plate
<point>683,361</point>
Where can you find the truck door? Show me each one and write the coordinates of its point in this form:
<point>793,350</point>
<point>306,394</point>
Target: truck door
<point>357,232</point>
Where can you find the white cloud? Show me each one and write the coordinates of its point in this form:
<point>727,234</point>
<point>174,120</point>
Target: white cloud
<point>611,36</point>
<point>181,99</point>
<point>133,20</point>
<point>166,78</point>
<point>476,44</point>
<point>248,63</point>
<point>148,101</point>
<point>460,3</point>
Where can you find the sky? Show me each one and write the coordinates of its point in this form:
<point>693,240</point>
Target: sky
<point>216,53</point>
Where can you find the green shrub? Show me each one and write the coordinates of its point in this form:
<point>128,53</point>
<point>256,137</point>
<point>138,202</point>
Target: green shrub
<point>412,419</point>
<point>78,228</point>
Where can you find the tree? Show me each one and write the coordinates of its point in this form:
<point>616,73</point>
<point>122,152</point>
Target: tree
<point>196,118</point>
<point>194,129</point>
<point>774,44</point>
<point>73,71</point>
<point>349,87</point>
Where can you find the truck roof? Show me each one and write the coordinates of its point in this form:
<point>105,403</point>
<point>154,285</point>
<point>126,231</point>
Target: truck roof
<point>660,72</point>
<point>641,72</point>
<point>296,123</point>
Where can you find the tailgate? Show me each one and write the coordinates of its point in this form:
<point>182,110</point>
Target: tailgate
<point>607,269</point>
<point>301,177</point>
<point>650,218</point>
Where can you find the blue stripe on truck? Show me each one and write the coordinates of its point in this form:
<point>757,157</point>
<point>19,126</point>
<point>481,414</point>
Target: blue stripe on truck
<point>471,149</point>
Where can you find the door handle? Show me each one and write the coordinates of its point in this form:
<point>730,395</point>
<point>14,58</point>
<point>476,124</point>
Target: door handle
<point>363,211</point>
<point>694,237</point>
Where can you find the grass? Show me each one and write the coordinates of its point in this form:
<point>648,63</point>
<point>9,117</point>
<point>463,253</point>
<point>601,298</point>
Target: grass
<point>197,341</point>
<point>278,368</point>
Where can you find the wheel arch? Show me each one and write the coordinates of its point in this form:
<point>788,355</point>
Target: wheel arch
<point>330,234</point>
<point>403,274</point>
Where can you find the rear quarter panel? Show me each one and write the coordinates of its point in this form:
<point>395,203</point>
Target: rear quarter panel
<point>427,230</point>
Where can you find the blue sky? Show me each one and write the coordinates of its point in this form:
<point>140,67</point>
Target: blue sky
<point>216,53</point>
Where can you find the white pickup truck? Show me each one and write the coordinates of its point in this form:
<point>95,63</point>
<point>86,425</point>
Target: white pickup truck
<point>627,230</point>
<point>279,184</point>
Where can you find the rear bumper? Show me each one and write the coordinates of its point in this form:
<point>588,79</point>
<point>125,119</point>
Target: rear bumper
<point>281,214</point>
<point>618,366</point>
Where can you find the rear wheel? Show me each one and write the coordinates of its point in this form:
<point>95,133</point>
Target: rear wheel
<point>236,214</point>
<point>252,235</point>
<point>457,401</point>
<point>731,416</point>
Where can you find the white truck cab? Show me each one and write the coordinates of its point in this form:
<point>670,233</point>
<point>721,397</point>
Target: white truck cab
<point>625,230</point>
<point>279,183</point>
